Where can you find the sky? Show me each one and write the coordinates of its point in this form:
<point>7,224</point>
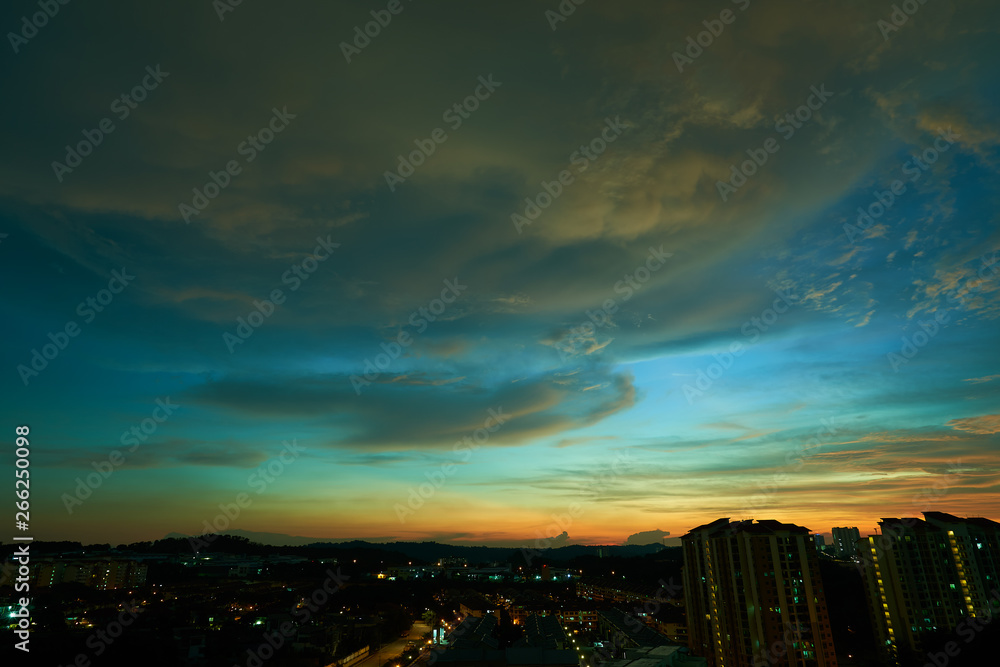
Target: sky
<point>500,273</point>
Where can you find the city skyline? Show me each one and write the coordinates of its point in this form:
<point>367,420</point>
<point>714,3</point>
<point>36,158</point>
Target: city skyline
<point>737,593</point>
<point>501,274</point>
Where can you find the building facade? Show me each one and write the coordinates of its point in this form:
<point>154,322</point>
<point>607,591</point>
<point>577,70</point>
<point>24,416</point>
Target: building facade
<point>927,576</point>
<point>844,541</point>
<point>754,596</point>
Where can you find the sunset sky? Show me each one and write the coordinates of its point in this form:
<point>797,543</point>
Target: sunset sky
<point>759,351</point>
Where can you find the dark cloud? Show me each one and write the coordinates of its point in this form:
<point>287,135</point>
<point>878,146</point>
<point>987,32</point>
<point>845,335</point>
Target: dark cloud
<point>647,537</point>
<point>387,415</point>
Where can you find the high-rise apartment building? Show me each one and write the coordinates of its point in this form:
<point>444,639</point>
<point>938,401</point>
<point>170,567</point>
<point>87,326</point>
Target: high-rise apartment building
<point>754,596</point>
<point>926,576</point>
<point>845,542</point>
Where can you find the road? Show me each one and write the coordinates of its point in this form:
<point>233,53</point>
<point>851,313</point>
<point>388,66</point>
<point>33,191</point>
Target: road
<point>396,646</point>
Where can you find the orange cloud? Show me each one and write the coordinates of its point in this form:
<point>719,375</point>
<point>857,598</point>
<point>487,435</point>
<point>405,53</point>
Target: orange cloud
<point>984,425</point>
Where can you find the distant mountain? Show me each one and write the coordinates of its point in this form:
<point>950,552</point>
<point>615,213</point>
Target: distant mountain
<point>432,551</point>
<point>278,539</point>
